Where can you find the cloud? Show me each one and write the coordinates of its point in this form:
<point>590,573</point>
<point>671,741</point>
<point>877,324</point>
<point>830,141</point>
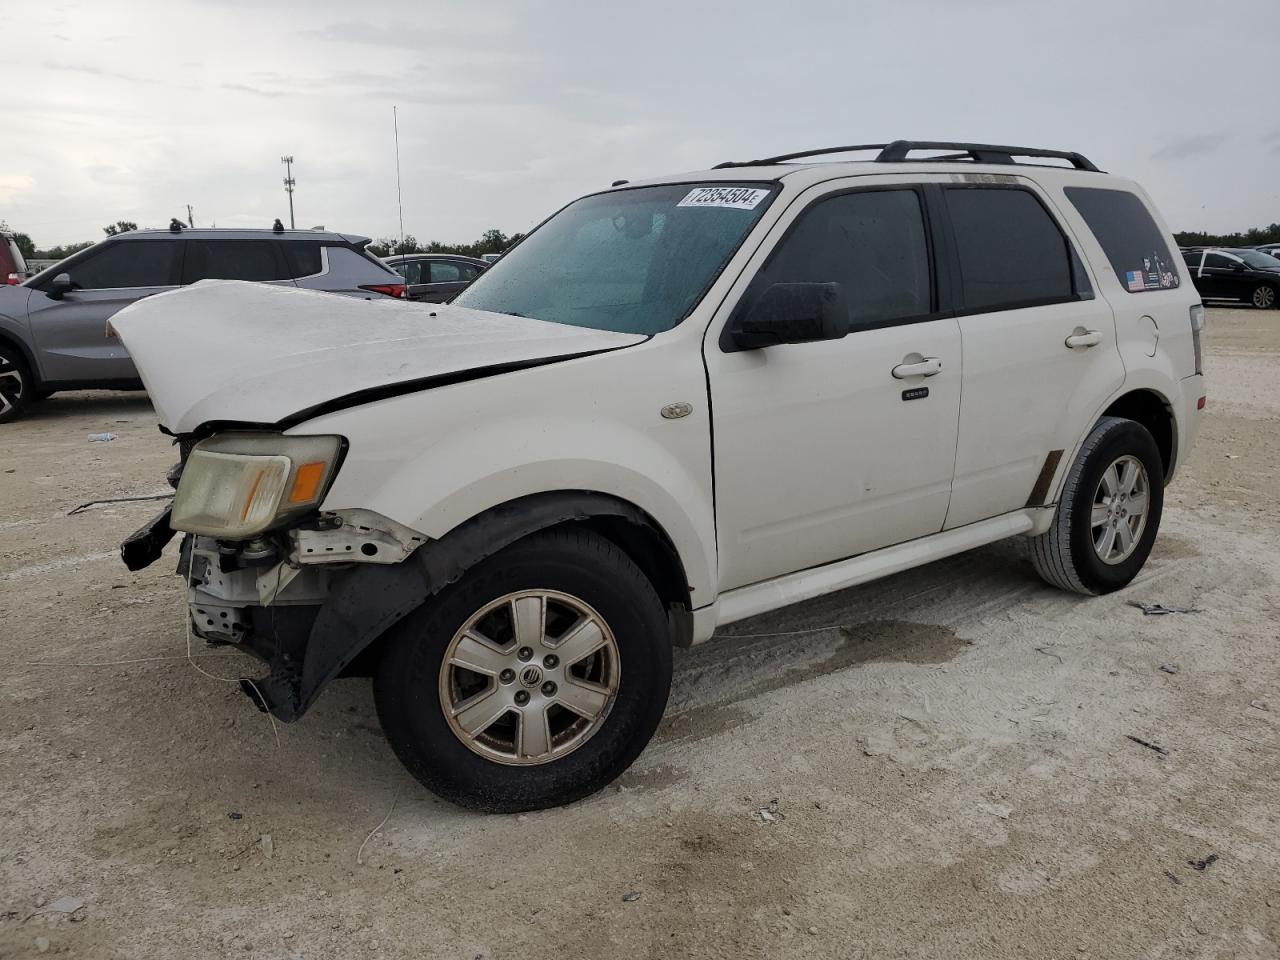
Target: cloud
<point>14,185</point>
<point>1196,145</point>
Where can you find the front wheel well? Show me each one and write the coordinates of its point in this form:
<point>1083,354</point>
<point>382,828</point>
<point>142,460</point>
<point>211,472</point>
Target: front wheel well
<point>1153,412</point>
<point>18,347</point>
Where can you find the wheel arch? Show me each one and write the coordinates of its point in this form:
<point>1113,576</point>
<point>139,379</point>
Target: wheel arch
<point>9,340</point>
<point>367,601</point>
<point>1155,412</point>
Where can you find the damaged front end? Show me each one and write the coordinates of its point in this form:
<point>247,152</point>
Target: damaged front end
<point>267,571</point>
<point>293,598</point>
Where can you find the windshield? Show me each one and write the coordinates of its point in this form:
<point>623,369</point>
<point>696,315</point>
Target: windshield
<point>1257,259</point>
<point>630,261</point>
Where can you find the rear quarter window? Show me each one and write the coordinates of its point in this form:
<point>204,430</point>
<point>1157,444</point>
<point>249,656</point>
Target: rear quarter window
<point>1134,245</point>
<point>303,258</point>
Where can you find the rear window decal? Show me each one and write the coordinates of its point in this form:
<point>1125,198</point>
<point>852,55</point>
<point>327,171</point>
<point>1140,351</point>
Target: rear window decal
<point>1154,275</point>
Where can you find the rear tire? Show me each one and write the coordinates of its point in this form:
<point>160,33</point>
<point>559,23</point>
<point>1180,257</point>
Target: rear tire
<point>15,384</point>
<point>1110,507</point>
<point>1264,297</point>
<point>490,618</point>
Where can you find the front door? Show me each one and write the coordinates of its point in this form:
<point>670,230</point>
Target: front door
<point>827,450</point>
<point>71,332</point>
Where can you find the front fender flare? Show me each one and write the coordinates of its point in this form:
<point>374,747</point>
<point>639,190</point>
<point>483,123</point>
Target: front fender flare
<point>370,599</point>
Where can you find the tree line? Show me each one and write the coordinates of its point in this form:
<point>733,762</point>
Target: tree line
<point>495,241</point>
<point>1250,238</point>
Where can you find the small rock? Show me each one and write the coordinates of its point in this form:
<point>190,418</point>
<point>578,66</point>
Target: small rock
<point>813,931</point>
<point>65,905</point>
<point>1169,667</point>
<point>42,944</point>
<point>786,911</point>
<point>1259,704</point>
<point>235,815</point>
<point>631,897</point>
<point>1000,810</point>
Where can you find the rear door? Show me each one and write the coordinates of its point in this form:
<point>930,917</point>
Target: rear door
<point>448,278</point>
<point>1039,346</point>
<point>827,450</point>
<point>71,332</point>
<point>257,260</point>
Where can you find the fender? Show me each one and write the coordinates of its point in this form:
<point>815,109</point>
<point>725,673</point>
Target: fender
<point>1136,381</point>
<point>371,598</point>
<point>10,338</point>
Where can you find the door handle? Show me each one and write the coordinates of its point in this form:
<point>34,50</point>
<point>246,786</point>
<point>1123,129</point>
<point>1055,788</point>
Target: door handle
<point>1083,338</point>
<point>928,367</point>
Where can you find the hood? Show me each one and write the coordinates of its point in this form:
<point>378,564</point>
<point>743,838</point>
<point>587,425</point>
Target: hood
<point>227,350</point>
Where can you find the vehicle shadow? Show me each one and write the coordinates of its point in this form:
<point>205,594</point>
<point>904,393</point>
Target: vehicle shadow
<point>89,403</point>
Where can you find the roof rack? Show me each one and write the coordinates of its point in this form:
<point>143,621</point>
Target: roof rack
<point>898,151</point>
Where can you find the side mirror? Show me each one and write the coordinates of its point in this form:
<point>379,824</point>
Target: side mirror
<point>791,313</point>
<point>61,286</point>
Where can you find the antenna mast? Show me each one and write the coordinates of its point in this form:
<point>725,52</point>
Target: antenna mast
<point>395,120</point>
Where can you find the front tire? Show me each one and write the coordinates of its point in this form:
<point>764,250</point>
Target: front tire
<point>1264,296</point>
<point>15,384</point>
<point>531,682</point>
<point>1109,512</point>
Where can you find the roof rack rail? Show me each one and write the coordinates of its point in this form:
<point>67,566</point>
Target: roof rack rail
<point>898,151</point>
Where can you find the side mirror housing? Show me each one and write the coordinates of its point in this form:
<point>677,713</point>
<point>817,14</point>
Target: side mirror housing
<point>790,313</point>
<point>60,286</point>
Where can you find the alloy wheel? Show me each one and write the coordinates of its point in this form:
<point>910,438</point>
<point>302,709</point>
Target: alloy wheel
<point>529,677</point>
<point>1264,297</point>
<point>1120,507</point>
<point>12,385</point>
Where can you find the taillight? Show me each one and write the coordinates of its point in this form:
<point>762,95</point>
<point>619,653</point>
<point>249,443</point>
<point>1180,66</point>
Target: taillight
<point>387,289</point>
<point>14,279</point>
<point>1197,325</point>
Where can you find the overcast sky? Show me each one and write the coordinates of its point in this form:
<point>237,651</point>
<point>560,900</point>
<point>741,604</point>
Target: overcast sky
<point>131,110</point>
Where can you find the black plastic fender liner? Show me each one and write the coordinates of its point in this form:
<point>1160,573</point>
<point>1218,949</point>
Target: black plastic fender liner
<point>371,598</point>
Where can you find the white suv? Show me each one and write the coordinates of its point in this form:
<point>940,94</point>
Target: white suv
<point>675,404</point>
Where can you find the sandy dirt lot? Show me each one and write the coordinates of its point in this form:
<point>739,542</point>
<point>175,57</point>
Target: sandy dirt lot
<point>946,751</point>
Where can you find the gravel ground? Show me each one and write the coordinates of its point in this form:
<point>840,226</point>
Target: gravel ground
<point>943,757</point>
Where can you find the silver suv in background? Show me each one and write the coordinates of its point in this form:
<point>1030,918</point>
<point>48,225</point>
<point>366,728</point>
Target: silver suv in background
<point>53,326</point>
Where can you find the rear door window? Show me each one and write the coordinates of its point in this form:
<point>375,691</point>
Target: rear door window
<point>1012,253</point>
<point>445,271</point>
<point>1134,246</point>
<point>872,243</point>
<point>128,263</point>
<point>231,260</point>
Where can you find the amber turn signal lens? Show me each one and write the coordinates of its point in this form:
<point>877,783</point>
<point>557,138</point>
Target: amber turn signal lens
<point>306,482</point>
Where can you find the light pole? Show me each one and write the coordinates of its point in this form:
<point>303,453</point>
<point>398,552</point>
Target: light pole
<point>288,185</point>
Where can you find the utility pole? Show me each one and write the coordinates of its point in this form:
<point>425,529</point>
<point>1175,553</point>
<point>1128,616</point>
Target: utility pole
<point>191,219</point>
<point>288,185</point>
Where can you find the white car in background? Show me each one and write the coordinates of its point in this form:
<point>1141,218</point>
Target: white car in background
<point>676,404</point>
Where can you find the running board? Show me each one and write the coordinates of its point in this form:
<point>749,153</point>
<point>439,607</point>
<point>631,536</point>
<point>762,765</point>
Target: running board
<point>771,594</point>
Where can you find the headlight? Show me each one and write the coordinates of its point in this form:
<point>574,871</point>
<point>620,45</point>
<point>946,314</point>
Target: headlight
<point>236,485</point>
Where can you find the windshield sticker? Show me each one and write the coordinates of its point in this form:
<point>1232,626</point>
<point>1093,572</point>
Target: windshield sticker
<point>1154,275</point>
<point>736,198</point>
